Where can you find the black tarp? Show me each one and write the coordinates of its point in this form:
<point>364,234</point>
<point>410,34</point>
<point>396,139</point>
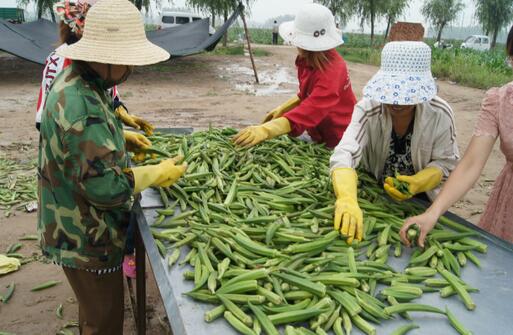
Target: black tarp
<point>34,41</point>
<point>191,38</point>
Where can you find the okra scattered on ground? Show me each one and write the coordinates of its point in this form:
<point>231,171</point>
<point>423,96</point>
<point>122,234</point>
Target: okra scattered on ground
<point>256,225</point>
<point>18,184</point>
<point>46,285</point>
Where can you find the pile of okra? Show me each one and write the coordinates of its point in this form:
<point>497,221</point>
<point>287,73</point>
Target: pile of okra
<point>256,225</point>
<point>18,184</point>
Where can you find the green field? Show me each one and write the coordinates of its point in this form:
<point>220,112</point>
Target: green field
<point>258,36</point>
<point>465,67</point>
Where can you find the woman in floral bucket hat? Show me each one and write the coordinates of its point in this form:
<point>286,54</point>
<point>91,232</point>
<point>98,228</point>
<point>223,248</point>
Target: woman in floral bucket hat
<point>86,187</point>
<point>495,122</point>
<point>401,129</point>
<point>325,101</point>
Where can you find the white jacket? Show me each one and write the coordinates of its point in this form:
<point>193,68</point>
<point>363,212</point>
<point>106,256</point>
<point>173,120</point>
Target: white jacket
<point>366,142</point>
<point>53,67</point>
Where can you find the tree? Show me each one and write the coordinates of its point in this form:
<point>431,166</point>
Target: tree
<point>393,10</point>
<point>441,12</point>
<point>343,10</point>
<point>217,8</point>
<point>494,15</point>
<point>370,11</point>
<point>42,6</point>
<point>140,4</point>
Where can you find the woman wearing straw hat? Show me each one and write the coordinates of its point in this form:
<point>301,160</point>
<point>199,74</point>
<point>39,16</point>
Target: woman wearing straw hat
<point>495,121</point>
<point>86,187</point>
<point>72,14</point>
<point>325,101</point>
<point>400,129</point>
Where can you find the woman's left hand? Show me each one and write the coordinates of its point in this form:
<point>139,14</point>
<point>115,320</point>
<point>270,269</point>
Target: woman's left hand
<point>134,121</point>
<point>144,125</point>
<point>423,181</point>
<point>250,136</point>
<point>393,192</point>
<point>136,142</point>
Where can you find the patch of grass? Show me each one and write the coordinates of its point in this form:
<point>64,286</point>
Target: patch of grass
<point>466,67</point>
<point>367,55</point>
<point>257,35</point>
<point>472,68</point>
<point>150,27</point>
<point>261,52</point>
<point>238,50</point>
<point>176,65</point>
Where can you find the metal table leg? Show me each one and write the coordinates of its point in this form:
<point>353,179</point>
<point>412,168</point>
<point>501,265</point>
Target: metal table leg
<point>140,261</point>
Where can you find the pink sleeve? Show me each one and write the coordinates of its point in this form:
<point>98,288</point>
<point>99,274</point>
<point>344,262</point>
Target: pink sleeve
<point>487,124</point>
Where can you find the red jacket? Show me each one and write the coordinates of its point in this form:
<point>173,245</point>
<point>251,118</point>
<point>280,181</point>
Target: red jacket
<point>327,101</point>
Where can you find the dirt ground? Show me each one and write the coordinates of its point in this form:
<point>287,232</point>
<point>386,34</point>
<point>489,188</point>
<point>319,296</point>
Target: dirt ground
<point>190,92</point>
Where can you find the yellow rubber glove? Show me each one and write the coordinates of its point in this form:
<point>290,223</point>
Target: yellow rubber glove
<point>284,108</point>
<point>139,157</point>
<point>425,180</point>
<point>348,215</point>
<point>136,142</point>
<point>8,264</point>
<point>134,121</point>
<point>253,135</point>
<point>164,174</point>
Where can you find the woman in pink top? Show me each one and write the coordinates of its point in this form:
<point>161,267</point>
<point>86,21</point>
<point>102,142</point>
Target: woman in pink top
<point>495,121</point>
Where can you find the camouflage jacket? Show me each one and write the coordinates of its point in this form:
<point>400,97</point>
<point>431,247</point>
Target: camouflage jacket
<point>84,195</point>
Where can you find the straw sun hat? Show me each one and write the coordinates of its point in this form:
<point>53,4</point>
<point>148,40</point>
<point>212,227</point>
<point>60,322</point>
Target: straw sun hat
<point>405,76</point>
<point>313,29</point>
<point>114,34</point>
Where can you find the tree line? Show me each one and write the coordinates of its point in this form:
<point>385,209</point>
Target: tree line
<point>493,15</point>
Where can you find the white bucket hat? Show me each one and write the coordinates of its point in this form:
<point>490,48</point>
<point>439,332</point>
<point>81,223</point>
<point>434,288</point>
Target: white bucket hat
<point>313,29</point>
<point>405,76</point>
<point>114,34</point>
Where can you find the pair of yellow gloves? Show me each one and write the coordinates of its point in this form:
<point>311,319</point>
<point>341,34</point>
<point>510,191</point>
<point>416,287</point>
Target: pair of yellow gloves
<point>163,174</point>
<point>348,215</point>
<point>274,125</point>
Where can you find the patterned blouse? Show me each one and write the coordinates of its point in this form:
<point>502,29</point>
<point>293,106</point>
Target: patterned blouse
<point>399,155</point>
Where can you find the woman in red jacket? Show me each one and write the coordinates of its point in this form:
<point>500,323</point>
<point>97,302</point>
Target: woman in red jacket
<point>325,102</point>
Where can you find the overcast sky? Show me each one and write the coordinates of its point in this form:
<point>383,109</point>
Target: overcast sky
<point>262,10</point>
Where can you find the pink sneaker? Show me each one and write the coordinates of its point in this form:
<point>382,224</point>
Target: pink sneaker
<point>129,266</point>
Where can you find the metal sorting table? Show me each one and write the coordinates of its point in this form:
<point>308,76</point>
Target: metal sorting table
<point>493,315</point>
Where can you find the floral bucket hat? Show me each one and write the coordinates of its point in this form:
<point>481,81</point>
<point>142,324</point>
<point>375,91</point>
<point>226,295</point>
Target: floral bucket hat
<point>405,76</point>
<point>73,13</point>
